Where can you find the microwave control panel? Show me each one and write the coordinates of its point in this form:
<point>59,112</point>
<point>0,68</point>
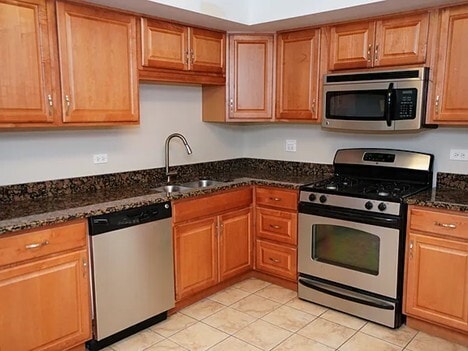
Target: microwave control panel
<point>405,101</point>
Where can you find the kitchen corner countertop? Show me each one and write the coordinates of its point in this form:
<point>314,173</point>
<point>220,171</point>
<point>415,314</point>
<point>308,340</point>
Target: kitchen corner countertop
<point>28,214</point>
<point>443,198</point>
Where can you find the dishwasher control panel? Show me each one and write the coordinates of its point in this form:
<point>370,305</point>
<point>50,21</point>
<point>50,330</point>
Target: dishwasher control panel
<point>127,218</point>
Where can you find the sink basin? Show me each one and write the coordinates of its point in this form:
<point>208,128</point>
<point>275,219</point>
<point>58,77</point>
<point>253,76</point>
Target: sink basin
<point>202,183</point>
<point>172,188</point>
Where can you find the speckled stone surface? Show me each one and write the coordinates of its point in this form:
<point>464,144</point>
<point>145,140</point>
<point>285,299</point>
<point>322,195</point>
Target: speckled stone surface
<point>32,205</point>
<point>451,193</point>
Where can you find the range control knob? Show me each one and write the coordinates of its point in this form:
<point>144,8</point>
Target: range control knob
<point>368,205</point>
<point>323,199</point>
<point>382,206</point>
<point>312,197</point>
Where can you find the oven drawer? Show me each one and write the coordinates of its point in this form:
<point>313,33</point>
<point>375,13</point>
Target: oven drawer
<point>439,222</point>
<point>276,259</point>
<point>277,225</point>
<point>274,197</point>
<point>41,242</point>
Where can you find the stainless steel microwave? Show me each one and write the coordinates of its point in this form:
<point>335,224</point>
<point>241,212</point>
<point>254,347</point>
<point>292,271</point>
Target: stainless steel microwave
<point>376,101</point>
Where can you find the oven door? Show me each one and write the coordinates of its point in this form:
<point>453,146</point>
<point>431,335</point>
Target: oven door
<point>334,247</point>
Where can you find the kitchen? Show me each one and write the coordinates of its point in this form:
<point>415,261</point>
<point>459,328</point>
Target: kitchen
<point>34,156</point>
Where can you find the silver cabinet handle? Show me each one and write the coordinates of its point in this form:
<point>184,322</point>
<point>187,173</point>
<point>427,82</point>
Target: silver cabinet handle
<point>313,106</point>
<point>67,102</point>
<point>411,249</point>
<point>275,226</point>
<point>274,260</point>
<point>36,245</point>
<point>192,56</point>
<point>369,50</point>
<point>437,104</point>
<point>51,104</point>
<point>275,199</point>
<point>376,53</point>
<point>446,225</point>
<point>231,105</point>
<point>85,268</point>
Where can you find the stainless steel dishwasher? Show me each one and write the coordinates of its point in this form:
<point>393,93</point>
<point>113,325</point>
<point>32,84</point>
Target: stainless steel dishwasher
<point>133,274</point>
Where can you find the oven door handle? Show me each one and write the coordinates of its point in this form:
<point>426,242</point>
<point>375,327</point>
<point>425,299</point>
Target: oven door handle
<point>337,292</point>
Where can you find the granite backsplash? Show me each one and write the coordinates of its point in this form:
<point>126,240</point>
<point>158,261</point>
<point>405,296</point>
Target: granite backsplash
<point>452,181</point>
<point>221,170</point>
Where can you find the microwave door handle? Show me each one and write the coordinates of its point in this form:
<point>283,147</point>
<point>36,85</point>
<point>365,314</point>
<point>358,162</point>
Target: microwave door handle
<point>389,105</point>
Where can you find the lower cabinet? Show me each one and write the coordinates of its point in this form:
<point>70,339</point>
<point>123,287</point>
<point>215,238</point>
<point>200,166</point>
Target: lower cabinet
<point>211,245</point>
<point>45,302</point>
<point>276,232</point>
<point>436,288</point>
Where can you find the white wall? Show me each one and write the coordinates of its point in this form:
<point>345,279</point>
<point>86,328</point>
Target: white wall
<point>42,155</point>
<point>317,145</point>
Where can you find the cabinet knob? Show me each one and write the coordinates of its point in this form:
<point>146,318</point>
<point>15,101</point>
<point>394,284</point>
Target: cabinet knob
<point>376,53</point>
<point>67,104</point>
<point>275,226</point>
<point>51,104</point>
<point>369,51</point>
<point>437,101</point>
<point>275,199</point>
<point>231,104</point>
<point>275,260</point>
<point>411,249</point>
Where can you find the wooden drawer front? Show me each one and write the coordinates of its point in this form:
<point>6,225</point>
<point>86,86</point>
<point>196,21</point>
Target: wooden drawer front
<point>439,222</point>
<point>277,225</point>
<point>37,243</point>
<point>210,205</point>
<point>280,198</point>
<point>276,259</point>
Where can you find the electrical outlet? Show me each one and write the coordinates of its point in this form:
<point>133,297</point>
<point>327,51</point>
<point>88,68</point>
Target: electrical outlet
<point>100,158</point>
<point>459,155</point>
<point>291,145</point>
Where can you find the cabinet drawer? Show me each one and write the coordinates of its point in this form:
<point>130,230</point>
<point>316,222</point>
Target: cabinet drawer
<point>42,242</point>
<point>276,259</point>
<point>439,222</point>
<point>277,225</point>
<point>185,210</point>
<point>274,197</point>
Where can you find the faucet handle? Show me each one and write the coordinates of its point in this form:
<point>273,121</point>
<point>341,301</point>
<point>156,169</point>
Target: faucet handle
<point>170,175</point>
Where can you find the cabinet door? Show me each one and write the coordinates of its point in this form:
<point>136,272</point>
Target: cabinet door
<point>45,304</point>
<point>27,82</point>
<point>250,77</point>
<point>401,41</point>
<point>207,51</point>
<point>196,258</point>
<point>351,45</point>
<point>98,65</point>
<point>437,280</point>
<point>235,245</point>
<point>164,45</point>
<point>297,75</point>
<point>451,104</point>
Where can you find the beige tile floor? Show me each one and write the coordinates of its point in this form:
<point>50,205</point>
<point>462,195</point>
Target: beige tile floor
<point>255,315</point>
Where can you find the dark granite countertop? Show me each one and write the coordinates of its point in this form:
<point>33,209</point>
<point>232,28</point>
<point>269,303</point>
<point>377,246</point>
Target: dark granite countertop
<point>443,198</point>
<point>35,212</point>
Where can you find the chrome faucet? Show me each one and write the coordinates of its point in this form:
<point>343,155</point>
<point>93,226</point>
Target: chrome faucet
<point>166,152</point>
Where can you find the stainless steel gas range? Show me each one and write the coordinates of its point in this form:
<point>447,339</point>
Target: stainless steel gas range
<point>352,230</point>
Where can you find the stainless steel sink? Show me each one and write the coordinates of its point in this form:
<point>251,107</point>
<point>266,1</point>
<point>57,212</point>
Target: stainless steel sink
<point>172,188</point>
<point>202,183</point>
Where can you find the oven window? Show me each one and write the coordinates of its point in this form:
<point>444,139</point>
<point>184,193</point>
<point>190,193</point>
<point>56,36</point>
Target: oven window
<point>346,247</point>
<point>356,105</point>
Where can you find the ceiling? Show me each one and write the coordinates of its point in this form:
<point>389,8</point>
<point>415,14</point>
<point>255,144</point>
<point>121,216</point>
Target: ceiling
<point>267,15</point>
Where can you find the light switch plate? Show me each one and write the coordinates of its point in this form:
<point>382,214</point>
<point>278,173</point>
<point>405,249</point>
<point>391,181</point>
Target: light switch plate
<point>100,158</point>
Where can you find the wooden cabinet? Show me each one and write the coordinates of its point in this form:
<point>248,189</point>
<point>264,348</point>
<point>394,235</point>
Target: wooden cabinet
<point>388,42</point>
<point>168,47</point>
<point>45,292</point>
<point>97,64</point>
<point>297,75</point>
<point>250,94</point>
<point>28,80</point>
<point>276,232</point>
<point>436,288</point>
<point>450,105</point>
<point>96,59</point>
<point>212,240</point>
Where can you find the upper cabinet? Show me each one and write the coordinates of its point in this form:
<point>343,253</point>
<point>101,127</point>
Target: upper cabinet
<point>174,52</point>
<point>450,105</point>
<point>97,64</point>
<point>28,83</point>
<point>388,42</point>
<point>250,94</point>
<point>297,75</point>
<point>95,60</point>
